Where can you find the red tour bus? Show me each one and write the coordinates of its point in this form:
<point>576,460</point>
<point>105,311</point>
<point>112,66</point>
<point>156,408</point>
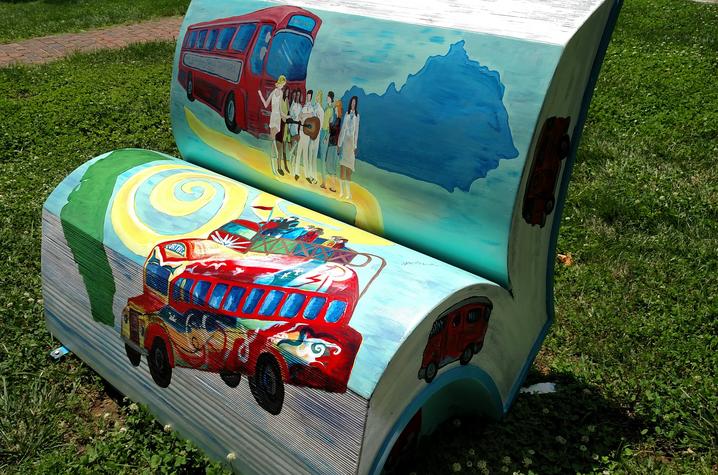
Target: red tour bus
<point>224,62</point>
<point>276,318</point>
<point>457,334</point>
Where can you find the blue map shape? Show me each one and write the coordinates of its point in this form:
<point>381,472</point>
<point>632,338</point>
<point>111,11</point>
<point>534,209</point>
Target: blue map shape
<point>447,125</point>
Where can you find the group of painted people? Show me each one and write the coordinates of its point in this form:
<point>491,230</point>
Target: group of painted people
<point>331,155</point>
<point>289,228</point>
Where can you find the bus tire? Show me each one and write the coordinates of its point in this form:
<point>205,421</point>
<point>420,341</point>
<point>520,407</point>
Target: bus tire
<point>190,87</point>
<point>133,355</point>
<point>230,113</point>
<point>430,372</point>
<point>466,355</point>
<point>231,379</point>
<point>159,362</point>
<point>266,384</point>
<point>548,206</point>
<point>477,346</point>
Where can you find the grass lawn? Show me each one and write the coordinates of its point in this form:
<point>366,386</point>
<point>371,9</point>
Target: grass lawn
<point>24,19</point>
<point>635,343</point>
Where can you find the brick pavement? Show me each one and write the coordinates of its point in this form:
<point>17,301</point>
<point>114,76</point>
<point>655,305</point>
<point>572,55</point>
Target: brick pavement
<point>50,48</point>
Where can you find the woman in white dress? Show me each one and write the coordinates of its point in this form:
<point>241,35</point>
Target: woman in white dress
<point>347,143</point>
<point>275,118</point>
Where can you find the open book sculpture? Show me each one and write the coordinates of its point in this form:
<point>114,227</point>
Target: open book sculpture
<point>385,259</point>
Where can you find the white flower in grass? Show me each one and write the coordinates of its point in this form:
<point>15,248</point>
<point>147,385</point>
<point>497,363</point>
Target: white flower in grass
<point>481,464</point>
<point>527,461</point>
<point>167,428</point>
<point>584,438</point>
<point>456,467</point>
<point>591,428</point>
<point>231,457</point>
<point>583,448</point>
<point>560,439</point>
<point>472,452</point>
<point>469,464</point>
<point>506,460</point>
<point>123,430</point>
<point>504,468</point>
<point>134,407</point>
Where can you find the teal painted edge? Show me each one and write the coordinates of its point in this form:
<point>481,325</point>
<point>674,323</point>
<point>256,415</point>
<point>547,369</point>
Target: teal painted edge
<point>469,373</point>
<point>458,373</point>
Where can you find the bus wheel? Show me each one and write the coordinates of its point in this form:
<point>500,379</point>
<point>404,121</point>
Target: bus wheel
<point>190,87</point>
<point>231,379</point>
<point>230,113</point>
<point>159,363</point>
<point>266,384</point>
<point>133,355</point>
<point>477,347</point>
<point>467,354</point>
<point>430,372</point>
<point>548,206</point>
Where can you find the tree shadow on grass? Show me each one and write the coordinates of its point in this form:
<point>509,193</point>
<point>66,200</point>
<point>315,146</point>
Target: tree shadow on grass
<point>569,431</point>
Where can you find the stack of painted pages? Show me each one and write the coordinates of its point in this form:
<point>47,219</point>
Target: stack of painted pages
<point>385,260</point>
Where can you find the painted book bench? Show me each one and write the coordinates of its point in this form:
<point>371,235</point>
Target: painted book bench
<point>360,239</point>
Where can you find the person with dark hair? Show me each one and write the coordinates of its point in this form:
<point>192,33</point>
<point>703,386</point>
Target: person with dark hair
<point>348,140</point>
<point>324,138</point>
<point>294,111</point>
<point>302,158</point>
<point>332,150</point>
<point>282,136</point>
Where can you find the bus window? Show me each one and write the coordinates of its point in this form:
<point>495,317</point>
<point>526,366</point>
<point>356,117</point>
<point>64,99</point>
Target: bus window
<point>225,37</point>
<point>199,293</point>
<point>157,276</point>
<point>217,295</point>
<point>291,306</point>
<point>185,289</point>
<point>438,326</point>
<point>301,22</point>
<point>243,36</point>
<point>289,56</point>
<point>269,306</point>
<point>473,315</point>
<point>457,320</point>
<point>239,230</point>
<point>212,39</point>
<point>335,311</point>
<point>233,298</point>
<point>252,300</point>
<point>314,307</point>
<point>191,39</point>
<point>177,289</point>
<point>260,49</point>
<point>200,40</point>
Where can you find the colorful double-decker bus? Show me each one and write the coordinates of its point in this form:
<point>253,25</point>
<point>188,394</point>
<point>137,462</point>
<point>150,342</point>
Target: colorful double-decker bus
<point>458,334</point>
<point>224,62</point>
<point>277,317</point>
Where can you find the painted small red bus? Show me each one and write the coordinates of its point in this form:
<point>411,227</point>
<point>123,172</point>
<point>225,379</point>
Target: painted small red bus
<point>457,334</point>
<point>553,146</point>
<point>224,62</point>
<point>276,318</point>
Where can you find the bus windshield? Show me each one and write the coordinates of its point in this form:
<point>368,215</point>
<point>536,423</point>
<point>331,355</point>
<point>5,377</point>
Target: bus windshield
<point>289,56</point>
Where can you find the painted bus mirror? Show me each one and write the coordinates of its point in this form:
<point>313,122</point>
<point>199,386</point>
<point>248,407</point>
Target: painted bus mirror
<point>316,288</point>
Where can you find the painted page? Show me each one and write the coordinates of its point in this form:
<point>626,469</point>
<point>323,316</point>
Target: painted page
<point>177,284</point>
<point>413,132</point>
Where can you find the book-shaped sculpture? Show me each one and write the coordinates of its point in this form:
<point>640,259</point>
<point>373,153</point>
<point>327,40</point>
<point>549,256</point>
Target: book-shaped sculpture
<point>359,240</point>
